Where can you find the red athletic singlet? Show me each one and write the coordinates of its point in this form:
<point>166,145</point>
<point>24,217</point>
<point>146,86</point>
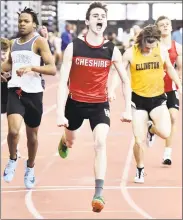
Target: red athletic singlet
<point>89,71</point>
<point>169,84</point>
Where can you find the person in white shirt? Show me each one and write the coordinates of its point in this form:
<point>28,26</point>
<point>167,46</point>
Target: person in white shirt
<point>25,91</point>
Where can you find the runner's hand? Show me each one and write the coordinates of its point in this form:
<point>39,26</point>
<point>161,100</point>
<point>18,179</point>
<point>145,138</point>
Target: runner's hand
<point>62,121</point>
<point>3,78</point>
<point>126,117</point>
<point>23,70</point>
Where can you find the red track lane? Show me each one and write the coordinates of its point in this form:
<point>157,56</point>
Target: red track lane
<point>65,187</point>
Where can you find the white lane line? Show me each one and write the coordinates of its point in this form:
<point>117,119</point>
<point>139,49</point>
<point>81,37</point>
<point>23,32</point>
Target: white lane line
<point>83,211</point>
<point>106,187</point>
<point>60,188</point>
<point>123,184</point>
<point>154,187</point>
<point>31,207</point>
<point>28,197</point>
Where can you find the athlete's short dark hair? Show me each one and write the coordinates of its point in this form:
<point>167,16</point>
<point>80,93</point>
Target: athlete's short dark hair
<point>32,13</point>
<point>148,34</point>
<point>161,18</point>
<point>96,5</point>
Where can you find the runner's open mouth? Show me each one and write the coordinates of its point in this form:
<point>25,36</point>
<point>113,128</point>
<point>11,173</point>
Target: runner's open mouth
<point>99,25</point>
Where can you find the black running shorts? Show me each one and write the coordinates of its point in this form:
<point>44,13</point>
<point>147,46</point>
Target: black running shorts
<point>148,104</point>
<point>76,112</point>
<point>28,105</point>
<point>173,99</point>
<point>4,97</point>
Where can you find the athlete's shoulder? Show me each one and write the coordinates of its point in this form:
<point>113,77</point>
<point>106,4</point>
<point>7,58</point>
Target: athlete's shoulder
<point>128,55</point>
<point>41,42</point>
<point>69,46</point>
<point>78,40</point>
<point>69,50</point>
<point>128,51</point>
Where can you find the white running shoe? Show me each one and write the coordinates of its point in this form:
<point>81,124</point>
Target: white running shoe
<point>29,178</point>
<point>167,156</point>
<point>10,170</point>
<point>150,136</point>
<point>139,178</point>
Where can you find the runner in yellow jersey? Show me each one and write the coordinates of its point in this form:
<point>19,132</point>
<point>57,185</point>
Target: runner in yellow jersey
<point>145,61</point>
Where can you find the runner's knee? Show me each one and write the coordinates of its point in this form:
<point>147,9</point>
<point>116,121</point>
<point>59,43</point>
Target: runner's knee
<point>163,130</point>
<point>32,137</point>
<point>165,134</point>
<point>99,144</point>
<point>13,133</point>
<point>138,143</point>
<point>173,119</point>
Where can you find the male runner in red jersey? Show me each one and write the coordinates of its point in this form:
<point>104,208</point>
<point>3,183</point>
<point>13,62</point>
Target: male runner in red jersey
<point>85,70</point>
<point>175,53</point>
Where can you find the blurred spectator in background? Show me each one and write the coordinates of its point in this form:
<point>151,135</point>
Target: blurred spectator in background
<point>74,31</point>
<point>83,32</point>
<point>131,43</point>
<point>126,37</point>
<point>43,31</point>
<point>177,35</point>
<point>113,38</point>
<point>66,36</point>
<point>106,36</point>
<point>122,48</point>
<point>55,40</point>
<point>136,30</point>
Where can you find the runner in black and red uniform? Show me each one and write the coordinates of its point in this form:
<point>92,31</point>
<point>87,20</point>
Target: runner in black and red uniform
<point>175,53</point>
<point>85,69</point>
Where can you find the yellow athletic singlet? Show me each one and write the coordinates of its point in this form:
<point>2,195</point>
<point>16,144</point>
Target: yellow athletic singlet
<point>147,73</point>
